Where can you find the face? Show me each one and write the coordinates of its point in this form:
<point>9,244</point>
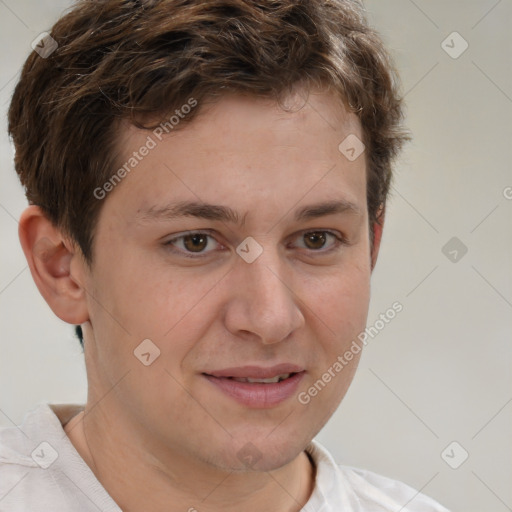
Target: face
<point>278,286</point>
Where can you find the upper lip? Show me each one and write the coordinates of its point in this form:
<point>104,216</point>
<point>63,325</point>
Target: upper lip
<point>256,372</point>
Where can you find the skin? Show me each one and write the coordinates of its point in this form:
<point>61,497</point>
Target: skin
<point>162,434</point>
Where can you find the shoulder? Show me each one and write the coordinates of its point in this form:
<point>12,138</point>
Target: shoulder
<point>41,470</point>
<point>359,490</point>
<point>22,460</point>
<point>38,464</point>
<point>374,489</point>
<point>16,443</point>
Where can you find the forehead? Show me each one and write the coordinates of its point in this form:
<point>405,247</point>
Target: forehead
<point>243,149</point>
<point>315,109</point>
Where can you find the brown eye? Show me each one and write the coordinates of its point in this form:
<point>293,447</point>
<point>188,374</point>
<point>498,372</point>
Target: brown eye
<point>196,242</point>
<point>315,239</point>
<point>193,245</point>
<point>321,242</point>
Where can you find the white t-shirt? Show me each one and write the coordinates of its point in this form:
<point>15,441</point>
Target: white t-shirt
<point>41,471</point>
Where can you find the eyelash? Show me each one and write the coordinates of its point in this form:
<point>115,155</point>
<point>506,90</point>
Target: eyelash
<point>340,241</point>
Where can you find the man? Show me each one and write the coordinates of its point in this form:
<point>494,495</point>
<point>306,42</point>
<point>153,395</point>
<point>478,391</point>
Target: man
<point>207,185</point>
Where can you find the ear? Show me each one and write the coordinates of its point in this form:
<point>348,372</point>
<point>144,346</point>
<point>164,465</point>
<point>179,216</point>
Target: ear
<point>378,226</point>
<point>51,257</point>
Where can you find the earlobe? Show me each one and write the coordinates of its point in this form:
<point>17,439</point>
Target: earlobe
<point>49,255</point>
<point>378,226</point>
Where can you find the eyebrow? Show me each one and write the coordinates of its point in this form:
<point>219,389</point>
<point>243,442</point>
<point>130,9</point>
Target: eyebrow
<point>222,213</point>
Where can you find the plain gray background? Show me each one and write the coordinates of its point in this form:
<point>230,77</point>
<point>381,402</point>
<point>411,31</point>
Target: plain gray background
<point>441,370</point>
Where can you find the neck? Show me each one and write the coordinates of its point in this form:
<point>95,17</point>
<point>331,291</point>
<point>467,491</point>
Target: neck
<point>137,479</point>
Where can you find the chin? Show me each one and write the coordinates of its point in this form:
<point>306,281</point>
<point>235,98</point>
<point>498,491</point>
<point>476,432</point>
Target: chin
<point>263,453</point>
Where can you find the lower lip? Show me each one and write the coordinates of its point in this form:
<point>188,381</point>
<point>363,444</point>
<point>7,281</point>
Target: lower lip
<point>259,396</point>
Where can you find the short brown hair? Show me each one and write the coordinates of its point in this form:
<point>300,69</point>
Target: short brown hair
<point>141,59</point>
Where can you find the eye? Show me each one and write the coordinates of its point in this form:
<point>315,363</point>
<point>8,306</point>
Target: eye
<point>194,244</point>
<point>317,239</point>
<point>191,243</point>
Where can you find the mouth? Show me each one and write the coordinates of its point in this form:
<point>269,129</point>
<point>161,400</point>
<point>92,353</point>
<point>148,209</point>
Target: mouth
<point>271,380</point>
<point>258,387</point>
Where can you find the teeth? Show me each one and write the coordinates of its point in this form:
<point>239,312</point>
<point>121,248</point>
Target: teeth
<point>272,380</point>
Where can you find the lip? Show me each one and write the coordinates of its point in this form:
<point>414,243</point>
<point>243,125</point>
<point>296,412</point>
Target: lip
<point>256,372</point>
<point>257,395</point>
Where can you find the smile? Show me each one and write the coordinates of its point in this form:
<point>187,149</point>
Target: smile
<point>271,380</point>
<point>254,389</point>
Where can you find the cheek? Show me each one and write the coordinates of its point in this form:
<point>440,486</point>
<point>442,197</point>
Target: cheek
<point>342,299</point>
<point>145,296</point>
<point>341,305</point>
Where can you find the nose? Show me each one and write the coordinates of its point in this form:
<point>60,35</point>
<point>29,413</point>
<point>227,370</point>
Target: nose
<point>263,303</point>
